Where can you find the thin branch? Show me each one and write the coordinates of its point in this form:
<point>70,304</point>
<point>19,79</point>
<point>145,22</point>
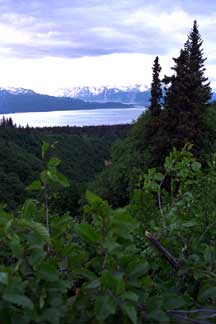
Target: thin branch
<point>172,261</point>
<point>159,198</point>
<point>189,320</point>
<point>192,311</point>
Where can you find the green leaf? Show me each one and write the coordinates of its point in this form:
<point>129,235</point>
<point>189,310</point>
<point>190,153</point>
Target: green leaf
<point>48,271</point>
<point>5,218</point>
<point>36,257</point>
<point>104,307</point>
<point>87,233</point>
<point>54,162</point>
<point>190,223</point>
<point>130,311</point>
<point>93,199</point>
<point>37,228</point>
<point>45,147</point>
<point>93,284</point>
<point>29,208</point>
<point>107,279</point>
<point>3,278</point>
<point>16,246</point>
<point>41,231</point>
<point>62,180</point>
<point>131,296</point>
<point>19,300</point>
<point>35,185</point>
<point>196,166</point>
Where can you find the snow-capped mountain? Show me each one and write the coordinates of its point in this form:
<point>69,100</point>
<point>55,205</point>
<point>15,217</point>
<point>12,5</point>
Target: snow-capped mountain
<point>23,100</point>
<point>16,91</point>
<point>136,94</point>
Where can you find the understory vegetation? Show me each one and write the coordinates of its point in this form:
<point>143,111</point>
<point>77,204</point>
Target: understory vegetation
<point>139,245</point>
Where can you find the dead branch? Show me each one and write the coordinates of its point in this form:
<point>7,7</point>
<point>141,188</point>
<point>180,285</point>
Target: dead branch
<point>172,261</point>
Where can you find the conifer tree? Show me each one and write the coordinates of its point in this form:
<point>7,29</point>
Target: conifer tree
<point>156,91</point>
<point>187,94</point>
<point>147,136</point>
<point>200,90</point>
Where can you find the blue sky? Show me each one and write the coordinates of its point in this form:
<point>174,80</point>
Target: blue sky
<point>50,44</point>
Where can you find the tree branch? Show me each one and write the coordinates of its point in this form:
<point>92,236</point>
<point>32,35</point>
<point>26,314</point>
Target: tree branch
<point>172,261</point>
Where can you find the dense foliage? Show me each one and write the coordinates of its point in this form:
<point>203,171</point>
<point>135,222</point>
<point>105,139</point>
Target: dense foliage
<point>83,152</point>
<point>104,267</point>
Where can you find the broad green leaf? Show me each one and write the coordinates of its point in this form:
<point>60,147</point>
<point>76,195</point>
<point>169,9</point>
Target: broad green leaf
<point>5,218</point>
<point>196,166</point>
<point>93,199</point>
<point>62,180</point>
<point>93,284</point>
<point>130,296</point>
<point>19,300</point>
<point>108,280</point>
<point>53,162</point>
<point>39,229</point>
<point>16,246</point>
<point>3,278</point>
<point>48,272</point>
<point>138,268</point>
<point>191,223</point>
<point>130,311</point>
<point>122,217</point>
<point>29,208</point>
<point>104,307</point>
<point>35,185</point>
<point>114,282</point>
<point>36,257</point>
<point>87,233</point>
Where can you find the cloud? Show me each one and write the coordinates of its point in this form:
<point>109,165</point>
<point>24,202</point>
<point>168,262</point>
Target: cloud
<point>74,28</point>
<point>96,41</point>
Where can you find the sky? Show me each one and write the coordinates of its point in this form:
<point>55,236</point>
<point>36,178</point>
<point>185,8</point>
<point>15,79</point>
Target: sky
<point>50,44</point>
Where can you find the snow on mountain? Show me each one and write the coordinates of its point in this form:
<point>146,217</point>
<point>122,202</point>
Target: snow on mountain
<point>17,91</point>
<point>133,94</point>
<point>78,92</point>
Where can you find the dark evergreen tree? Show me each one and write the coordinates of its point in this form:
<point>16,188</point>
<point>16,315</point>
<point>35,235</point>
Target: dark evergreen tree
<point>187,95</point>
<point>200,90</point>
<point>156,91</point>
<point>146,131</point>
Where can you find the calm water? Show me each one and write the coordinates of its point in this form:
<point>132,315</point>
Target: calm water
<point>77,117</point>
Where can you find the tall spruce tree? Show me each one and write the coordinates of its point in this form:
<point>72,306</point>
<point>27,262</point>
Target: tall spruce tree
<point>156,91</point>
<point>200,90</point>
<point>187,94</point>
<point>147,136</point>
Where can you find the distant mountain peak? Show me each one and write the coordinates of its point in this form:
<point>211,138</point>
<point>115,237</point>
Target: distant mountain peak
<point>132,94</point>
<point>17,91</point>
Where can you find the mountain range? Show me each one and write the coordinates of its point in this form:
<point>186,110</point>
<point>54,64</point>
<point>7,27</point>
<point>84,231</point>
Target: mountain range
<point>135,94</point>
<point>14,100</point>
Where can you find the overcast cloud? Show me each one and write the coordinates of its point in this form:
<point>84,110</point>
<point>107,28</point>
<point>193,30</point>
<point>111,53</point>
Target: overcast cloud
<point>36,36</point>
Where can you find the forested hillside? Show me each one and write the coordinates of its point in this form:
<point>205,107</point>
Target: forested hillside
<point>83,152</point>
<point>141,251</point>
